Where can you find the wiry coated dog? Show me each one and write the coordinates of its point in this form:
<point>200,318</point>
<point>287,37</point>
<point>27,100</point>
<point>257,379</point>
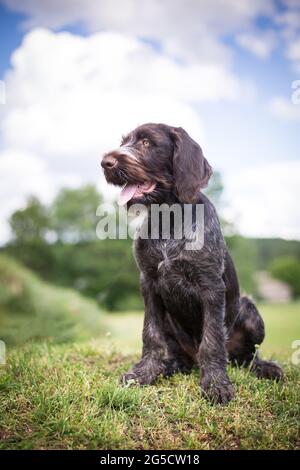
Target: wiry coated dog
<point>194,313</point>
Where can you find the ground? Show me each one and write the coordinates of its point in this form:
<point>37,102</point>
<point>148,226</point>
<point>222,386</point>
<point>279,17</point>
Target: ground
<point>68,396</point>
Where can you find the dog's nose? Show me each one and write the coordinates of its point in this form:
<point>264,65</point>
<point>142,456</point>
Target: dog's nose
<point>108,162</point>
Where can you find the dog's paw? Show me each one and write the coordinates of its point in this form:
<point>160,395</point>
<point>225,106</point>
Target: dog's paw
<point>267,370</point>
<point>217,390</point>
<point>134,378</point>
<point>128,379</point>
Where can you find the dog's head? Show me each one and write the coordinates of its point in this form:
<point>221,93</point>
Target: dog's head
<point>155,160</point>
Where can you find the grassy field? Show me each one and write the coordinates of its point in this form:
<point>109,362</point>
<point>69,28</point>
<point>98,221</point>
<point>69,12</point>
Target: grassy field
<point>68,396</point>
<point>282,322</point>
<point>60,391</point>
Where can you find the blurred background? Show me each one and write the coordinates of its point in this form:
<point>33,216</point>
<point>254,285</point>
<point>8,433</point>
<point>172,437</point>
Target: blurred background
<point>75,76</point>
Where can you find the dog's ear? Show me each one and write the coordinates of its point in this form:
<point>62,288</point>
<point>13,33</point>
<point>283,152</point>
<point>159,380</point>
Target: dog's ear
<point>191,170</point>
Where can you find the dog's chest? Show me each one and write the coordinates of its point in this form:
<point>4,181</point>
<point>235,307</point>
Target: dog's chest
<point>174,277</point>
<point>153,253</point>
<point>162,259</point>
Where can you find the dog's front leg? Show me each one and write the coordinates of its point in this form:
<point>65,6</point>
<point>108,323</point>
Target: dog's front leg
<point>152,363</point>
<point>212,356</point>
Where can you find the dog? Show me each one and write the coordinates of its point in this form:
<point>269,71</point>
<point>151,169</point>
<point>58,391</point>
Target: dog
<point>194,313</point>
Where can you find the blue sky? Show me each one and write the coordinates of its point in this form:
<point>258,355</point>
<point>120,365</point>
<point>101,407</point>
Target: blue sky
<point>221,69</point>
<point>11,36</point>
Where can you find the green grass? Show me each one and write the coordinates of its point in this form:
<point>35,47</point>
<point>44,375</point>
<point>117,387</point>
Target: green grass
<point>68,397</point>
<point>31,309</point>
<point>282,323</point>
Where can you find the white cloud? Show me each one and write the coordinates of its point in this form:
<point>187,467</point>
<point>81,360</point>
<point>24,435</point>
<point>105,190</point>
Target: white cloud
<point>266,199</point>
<point>71,98</point>
<point>190,30</point>
<point>259,44</point>
<point>20,174</point>
<point>284,109</point>
<point>289,18</point>
<point>291,3</point>
<point>293,52</point>
<point>23,174</point>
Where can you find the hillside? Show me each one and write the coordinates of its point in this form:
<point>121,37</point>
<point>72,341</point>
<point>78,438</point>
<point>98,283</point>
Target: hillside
<point>31,309</point>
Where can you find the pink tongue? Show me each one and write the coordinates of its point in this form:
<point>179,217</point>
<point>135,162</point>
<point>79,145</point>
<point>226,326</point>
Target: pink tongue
<point>127,193</point>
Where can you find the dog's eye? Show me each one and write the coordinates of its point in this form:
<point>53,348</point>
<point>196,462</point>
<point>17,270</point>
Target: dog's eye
<point>146,142</point>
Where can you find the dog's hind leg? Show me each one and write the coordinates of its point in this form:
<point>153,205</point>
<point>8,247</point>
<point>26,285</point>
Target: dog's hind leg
<point>247,333</point>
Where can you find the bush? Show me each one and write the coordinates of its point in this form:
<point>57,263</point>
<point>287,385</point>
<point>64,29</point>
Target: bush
<point>243,253</point>
<point>287,269</point>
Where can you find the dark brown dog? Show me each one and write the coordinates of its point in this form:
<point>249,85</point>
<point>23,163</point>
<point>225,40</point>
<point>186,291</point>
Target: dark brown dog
<point>193,310</point>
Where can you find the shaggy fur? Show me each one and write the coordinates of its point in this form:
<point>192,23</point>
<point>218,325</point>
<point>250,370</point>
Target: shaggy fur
<point>194,314</point>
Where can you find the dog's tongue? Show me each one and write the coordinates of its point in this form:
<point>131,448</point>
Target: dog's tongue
<point>127,193</point>
<point>135,190</point>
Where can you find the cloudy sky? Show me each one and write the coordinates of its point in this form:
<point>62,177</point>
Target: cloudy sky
<point>79,73</point>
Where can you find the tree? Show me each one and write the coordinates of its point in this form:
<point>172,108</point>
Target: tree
<point>30,224</point>
<point>73,214</point>
<point>214,192</point>
<point>215,189</point>
<point>30,227</point>
<point>243,253</point>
